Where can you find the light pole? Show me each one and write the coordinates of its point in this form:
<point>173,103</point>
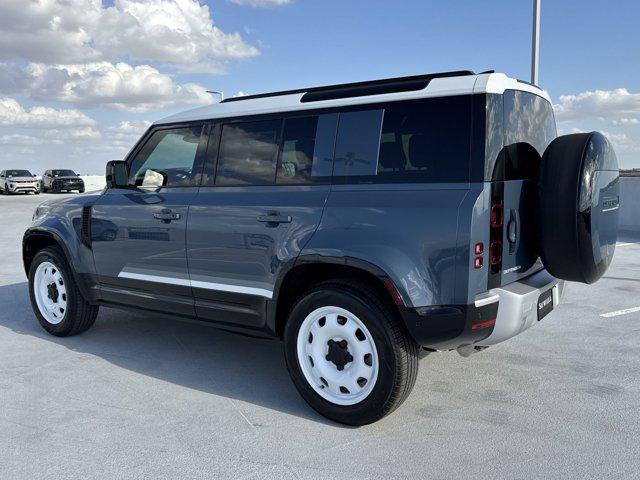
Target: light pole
<point>535,42</point>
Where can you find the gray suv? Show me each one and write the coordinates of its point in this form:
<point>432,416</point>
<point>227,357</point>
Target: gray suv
<point>362,224</point>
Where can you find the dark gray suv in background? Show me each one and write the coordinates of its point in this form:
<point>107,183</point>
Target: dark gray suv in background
<point>361,223</point>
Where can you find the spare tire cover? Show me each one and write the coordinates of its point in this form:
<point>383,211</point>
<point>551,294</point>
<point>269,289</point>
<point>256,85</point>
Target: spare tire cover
<point>579,197</point>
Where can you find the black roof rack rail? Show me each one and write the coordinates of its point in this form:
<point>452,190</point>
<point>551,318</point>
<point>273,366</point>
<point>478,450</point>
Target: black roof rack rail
<point>357,89</point>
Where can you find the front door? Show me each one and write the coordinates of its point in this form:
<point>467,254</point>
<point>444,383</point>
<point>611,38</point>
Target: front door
<point>138,233</point>
<point>254,216</point>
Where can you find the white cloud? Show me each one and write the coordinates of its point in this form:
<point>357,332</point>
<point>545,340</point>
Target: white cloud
<point>261,3</point>
<point>599,104</point>
<point>626,121</point>
<point>622,142</point>
<point>179,32</point>
<point>19,139</point>
<point>14,115</point>
<point>120,86</point>
<point>62,136</point>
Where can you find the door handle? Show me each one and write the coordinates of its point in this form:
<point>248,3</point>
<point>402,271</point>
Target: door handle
<point>166,216</point>
<point>274,218</point>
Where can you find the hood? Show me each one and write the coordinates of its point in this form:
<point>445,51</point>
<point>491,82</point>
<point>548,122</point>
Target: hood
<point>66,178</point>
<point>21,179</point>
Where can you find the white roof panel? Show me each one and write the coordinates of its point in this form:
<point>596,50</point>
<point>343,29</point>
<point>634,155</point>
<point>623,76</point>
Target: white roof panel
<point>437,87</point>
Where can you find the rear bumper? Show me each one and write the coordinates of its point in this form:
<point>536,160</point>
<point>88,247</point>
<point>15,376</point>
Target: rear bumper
<point>494,317</point>
<point>518,305</point>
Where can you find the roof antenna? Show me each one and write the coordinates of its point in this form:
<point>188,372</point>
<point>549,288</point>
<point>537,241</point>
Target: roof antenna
<point>217,93</point>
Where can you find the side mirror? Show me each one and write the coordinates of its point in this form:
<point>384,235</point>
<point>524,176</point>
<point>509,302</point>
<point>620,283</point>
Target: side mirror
<point>117,175</point>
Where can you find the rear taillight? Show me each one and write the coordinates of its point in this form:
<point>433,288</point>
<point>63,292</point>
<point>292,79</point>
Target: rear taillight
<point>495,235</point>
<point>495,253</point>
<point>496,215</point>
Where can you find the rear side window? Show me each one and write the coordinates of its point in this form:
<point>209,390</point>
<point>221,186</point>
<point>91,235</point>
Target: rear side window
<point>248,153</point>
<point>418,141</point>
<point>357,144</point>
<point>529,127</point>
<point>166,159</point>
<point>306,154</point>
<point>295,150</point>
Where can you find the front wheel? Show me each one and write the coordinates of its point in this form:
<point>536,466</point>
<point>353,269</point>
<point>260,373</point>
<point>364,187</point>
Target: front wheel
<point>55,297</point>
<point>348,355</point>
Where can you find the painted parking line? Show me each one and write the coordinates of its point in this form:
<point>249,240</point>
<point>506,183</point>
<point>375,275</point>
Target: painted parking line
<point>625,244</point>
<point>621,312</point>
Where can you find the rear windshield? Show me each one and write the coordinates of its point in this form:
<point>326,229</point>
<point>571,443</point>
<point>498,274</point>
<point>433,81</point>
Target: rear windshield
<point>63,173</point>
<point>18,173</point>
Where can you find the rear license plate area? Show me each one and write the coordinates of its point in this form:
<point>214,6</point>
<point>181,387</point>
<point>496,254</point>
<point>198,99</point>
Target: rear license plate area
<point>545,304</point>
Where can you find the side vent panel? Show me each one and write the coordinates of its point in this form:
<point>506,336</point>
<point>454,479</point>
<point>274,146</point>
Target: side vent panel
<point>85,225</point>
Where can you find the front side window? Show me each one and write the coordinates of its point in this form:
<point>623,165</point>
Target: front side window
<point>166,159</point>
<point>248,153</point>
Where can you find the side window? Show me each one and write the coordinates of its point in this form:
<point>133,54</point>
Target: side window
<point>357,143</point>
<point>306,153</point>
<point>248,153</point>
<point>166,159</point>
<point>416,141</point>
<point>529,127</point>
<point>426,141</point>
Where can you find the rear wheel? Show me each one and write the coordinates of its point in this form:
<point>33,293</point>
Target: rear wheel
<point>55,297</point>
<point>348,355</point>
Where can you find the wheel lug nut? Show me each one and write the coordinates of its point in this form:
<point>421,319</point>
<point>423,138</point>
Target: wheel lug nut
<point>349,358</point>
<point>343,343</point>
<point>327,358</point>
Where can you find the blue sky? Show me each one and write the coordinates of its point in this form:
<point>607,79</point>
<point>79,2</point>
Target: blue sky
<point>80,80</point>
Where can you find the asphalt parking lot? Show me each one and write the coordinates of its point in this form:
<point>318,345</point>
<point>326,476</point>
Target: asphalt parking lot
<point>142,397</point>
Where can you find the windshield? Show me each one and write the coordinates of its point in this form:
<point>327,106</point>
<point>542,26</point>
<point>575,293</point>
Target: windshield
<point>18,173</point>
<point>63,173</point>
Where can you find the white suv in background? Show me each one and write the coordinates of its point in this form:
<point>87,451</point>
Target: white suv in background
<point>18,181</point>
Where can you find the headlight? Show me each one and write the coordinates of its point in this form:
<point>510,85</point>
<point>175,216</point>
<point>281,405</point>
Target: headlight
<point>40,212</point>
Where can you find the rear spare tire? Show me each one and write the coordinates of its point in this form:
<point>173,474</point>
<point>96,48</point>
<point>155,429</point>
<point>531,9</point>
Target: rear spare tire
<point>579,197</point>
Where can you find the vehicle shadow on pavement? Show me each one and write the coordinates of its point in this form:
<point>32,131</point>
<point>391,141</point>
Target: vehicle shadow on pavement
<point>194,356</point>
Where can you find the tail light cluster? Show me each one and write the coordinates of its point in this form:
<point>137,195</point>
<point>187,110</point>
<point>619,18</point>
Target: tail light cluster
<point>495,248</point>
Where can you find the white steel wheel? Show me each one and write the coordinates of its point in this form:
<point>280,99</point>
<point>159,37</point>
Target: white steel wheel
<point>337,355</point>
<point>50,292</point>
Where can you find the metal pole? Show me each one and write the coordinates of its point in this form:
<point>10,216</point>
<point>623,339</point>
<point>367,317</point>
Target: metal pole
<point>535,42</point>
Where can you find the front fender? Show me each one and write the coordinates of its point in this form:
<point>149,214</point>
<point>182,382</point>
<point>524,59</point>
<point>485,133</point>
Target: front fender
<point>61,225</point>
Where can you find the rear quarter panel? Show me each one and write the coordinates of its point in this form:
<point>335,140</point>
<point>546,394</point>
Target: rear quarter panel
<point>408,230</point>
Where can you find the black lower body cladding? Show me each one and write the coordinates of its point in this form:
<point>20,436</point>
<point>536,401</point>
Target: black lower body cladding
<point>579,196</point>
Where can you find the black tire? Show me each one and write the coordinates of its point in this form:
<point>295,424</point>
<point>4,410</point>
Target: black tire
<point>80,314</point>
<point>81,190</point>
<point>397,352</point>
<point>579,196</point>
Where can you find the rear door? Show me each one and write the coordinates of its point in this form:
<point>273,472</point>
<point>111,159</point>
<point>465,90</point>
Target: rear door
<point>138,233</point>
<point>528,127</point>
<point>264,188</point>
